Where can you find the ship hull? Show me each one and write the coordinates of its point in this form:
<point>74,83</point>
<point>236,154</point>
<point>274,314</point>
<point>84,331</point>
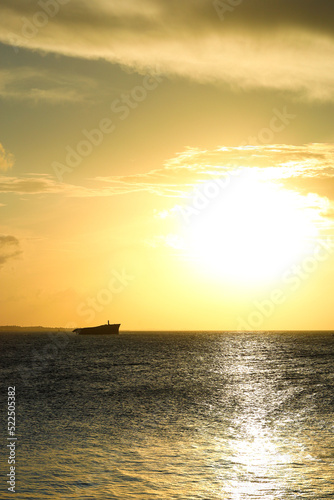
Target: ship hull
<point>99,330</point>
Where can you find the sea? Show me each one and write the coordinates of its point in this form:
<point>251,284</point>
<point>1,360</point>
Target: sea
<point>169,415</point>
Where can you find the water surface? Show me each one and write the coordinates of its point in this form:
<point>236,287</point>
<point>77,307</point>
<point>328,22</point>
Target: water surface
<point>171,415</point>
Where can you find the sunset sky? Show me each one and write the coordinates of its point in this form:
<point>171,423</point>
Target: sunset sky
<point>167,164</point>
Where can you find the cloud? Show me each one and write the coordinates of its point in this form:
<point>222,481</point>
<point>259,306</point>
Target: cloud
<point>308,169</point>
<point>28,185</point>
<point>26,83</point>
<point>6,159</point>
<point>9,248</point>
<point>37,184</point>
<point>277,44</point>
<point>44,184</point>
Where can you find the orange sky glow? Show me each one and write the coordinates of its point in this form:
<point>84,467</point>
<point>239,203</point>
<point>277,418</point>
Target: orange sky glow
<point>168,167</point>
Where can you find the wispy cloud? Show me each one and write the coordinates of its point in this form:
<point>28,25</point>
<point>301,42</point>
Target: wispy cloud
<point>309,168</point>
<point>6,159</point>
<point>306,168</point>
<point>9,248</point>
<point>258,45</point>
<point>36,184</point>
<point>28,185</point>
<point>44,184</point>
<point>35,85</point>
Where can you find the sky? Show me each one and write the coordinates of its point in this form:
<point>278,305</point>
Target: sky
<point>167,164</point>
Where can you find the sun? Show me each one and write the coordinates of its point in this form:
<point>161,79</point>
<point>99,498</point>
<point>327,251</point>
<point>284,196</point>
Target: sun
<point>251,233</point>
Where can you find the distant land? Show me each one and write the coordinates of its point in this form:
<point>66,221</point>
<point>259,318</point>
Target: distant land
<point>14,328</point>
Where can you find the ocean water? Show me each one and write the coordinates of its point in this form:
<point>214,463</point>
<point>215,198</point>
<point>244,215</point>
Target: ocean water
<point>181,416</point>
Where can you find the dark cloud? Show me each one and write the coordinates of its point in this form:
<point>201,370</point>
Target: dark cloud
<point>278,44</point>
<point>191,15</point>
<point>9,248</point>
<point>267,14</point>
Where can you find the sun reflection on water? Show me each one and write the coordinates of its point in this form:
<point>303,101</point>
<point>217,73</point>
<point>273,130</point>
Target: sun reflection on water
<point>232,417</point>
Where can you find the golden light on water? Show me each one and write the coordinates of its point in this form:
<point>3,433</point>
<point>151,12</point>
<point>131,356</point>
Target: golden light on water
<point>259,456</point>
